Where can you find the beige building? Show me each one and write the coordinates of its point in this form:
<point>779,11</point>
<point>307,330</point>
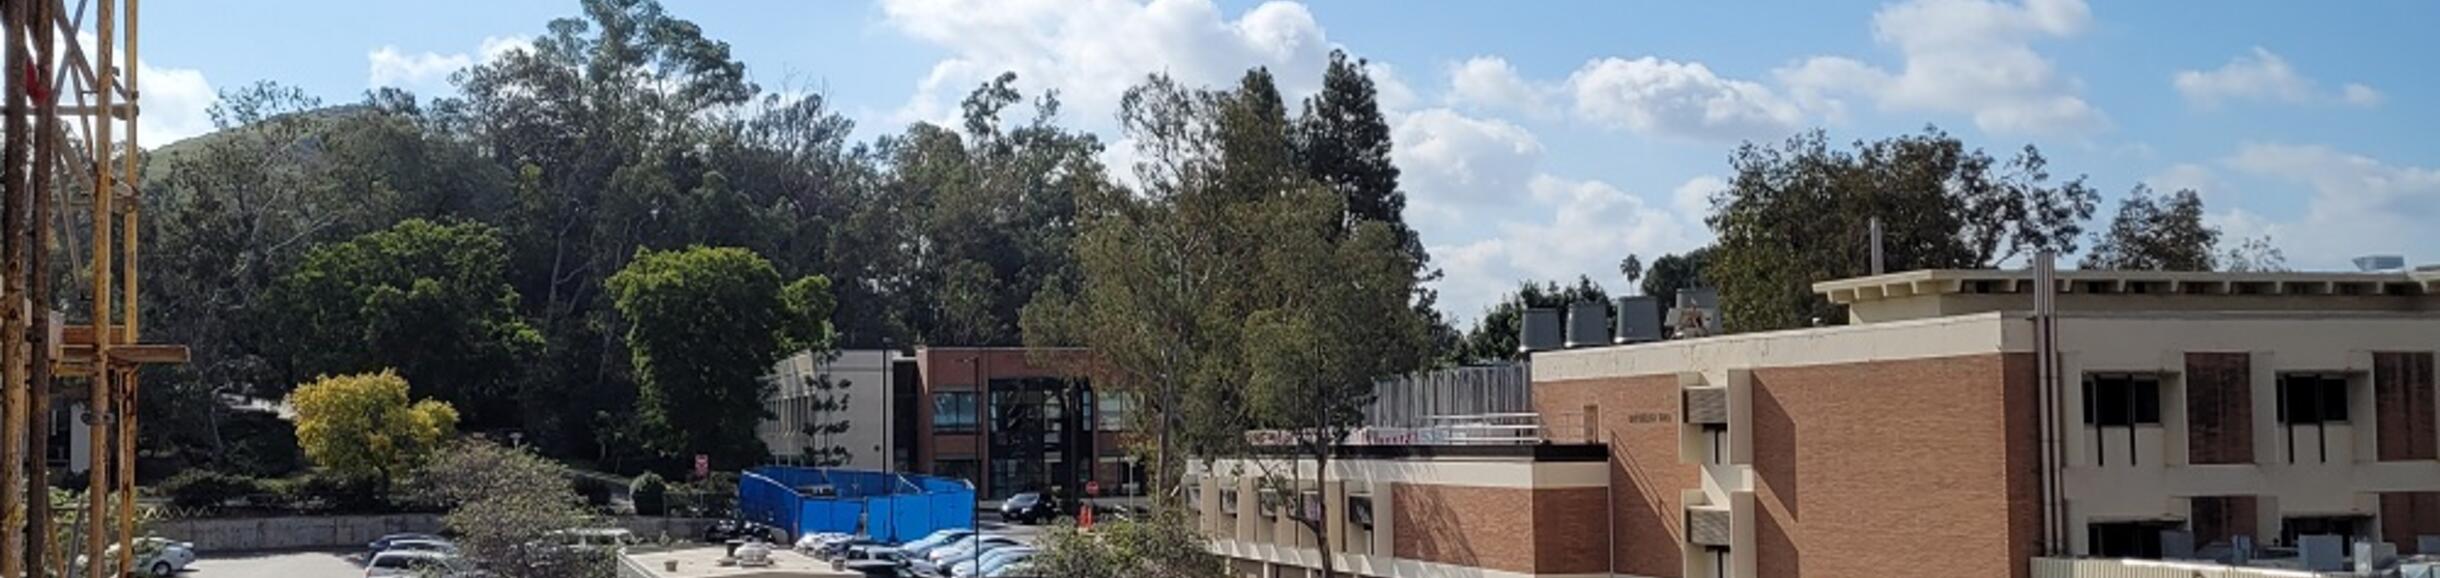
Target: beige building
<point>2188,413</point>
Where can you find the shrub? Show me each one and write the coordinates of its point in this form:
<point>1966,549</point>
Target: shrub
<point>206,488</point>
<point>341,493</point>
<point>650,493</point>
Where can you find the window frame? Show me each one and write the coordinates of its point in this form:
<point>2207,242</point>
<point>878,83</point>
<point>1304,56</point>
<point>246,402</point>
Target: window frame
<point>973,422</point>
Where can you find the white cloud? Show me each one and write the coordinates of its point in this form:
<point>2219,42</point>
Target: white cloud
<point>2358,204</point>
<point>429,72</point>
<point>1449,159</point>
<point>1580,227</point>
<point>1093,50</point>
<point>1653,96</point>
<point>1389,89</point>
<point>1490,82</point>
<point>1693,198</point>
<point>2262,75</point>
<point>1972,57</point>
<point>397,69</point>
<point>494,47</point>
<point>176,102</point>
<point>2360,95</point>
<point>2186,176</point>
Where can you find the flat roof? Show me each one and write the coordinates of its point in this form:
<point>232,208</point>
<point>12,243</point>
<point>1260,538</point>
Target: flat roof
<point>2283,283</point>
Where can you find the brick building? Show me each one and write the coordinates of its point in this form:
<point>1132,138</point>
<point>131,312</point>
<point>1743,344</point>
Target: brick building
<point>2188,413</point>
<point>1018,420</point>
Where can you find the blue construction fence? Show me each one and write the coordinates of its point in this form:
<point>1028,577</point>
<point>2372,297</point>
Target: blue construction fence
<point>886,506</point>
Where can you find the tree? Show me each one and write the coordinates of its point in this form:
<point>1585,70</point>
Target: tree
<point>505,507</point>
<point>1495,337</point>
<point>2156,234</point>
<point>427,299</point>
<point>650,494</point>
<point>705,324</point>
<point>1673,273</point>
<point>2254,254</point>
<point>361,426</point>
<point>1799,213</point>
<point>602,124</point>
<point>1153,301</point>
<point>1632,268</point>
<point>1165,545</point>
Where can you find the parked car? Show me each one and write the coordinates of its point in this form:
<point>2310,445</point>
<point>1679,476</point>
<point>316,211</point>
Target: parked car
<point>422,545</point>
<point>726,530</point>
<point>991,561</point>
<point>837,549</point>
<point>419,564</point>
<point>940,561</point>
<point>377,546</point>
<point>917,547</point>
<point>1029,507</point>
<point>155,556</point>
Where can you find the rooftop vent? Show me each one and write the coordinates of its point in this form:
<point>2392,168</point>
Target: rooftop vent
<point>2376,263</point>
<point>1639,320</point>
<point>1588,323</point>
<point>1539,331</point>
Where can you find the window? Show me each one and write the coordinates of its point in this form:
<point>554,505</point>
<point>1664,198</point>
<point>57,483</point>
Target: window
<point>1228,499</point>
<point>954,411</point>
<point>2345,527</point>
<point>2311,399</point>
<point>1716,436</point>
<point>1359,514</point>
<point>1360,510</point>
<point>1114,411</point>
<point>1271,502</point>
<point>2121,399</point>
<point>2125,539</point>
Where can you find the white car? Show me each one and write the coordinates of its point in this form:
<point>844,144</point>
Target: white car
<point>155,556</point>
<point>421,545</point>
<point>418,563</point>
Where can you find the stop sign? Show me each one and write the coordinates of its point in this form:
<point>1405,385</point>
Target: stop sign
<point>1092,488</point>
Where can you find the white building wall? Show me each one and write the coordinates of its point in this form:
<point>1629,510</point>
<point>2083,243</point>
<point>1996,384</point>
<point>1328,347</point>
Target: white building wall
<point>863,378</point>
<point>2162,480</point>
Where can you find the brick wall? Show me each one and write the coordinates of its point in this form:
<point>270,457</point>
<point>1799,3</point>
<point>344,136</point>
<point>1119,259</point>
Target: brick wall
<point>2402,393</point>
<point>2405,515</point>
<point>2219,408</point>
<point>1895,468</point>
<point>2223,518</point>
<point>1639,417</point>
<point>1547,531</point>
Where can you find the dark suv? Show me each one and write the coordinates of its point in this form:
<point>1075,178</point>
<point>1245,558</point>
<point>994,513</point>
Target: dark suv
<point>1028,508</point>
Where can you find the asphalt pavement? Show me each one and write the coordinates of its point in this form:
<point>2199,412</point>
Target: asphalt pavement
<point>275,564</point>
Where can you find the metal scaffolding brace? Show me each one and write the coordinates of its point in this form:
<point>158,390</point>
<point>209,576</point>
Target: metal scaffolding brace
<point>47,60</point>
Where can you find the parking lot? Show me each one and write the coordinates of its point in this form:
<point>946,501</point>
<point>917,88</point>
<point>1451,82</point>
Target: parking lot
<point>281,564</point>
<point>345,565</point>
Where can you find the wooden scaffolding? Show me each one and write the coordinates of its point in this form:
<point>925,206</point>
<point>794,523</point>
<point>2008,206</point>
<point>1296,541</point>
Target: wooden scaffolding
<point>70,134</point>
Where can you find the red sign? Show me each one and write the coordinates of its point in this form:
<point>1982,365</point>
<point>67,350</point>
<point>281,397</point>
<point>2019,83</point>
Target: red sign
<point>703,466</point>
<point>1092,488</point>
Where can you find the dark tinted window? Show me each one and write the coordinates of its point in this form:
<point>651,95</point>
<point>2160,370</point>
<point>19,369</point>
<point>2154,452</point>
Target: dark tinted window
<point>2121,399</point>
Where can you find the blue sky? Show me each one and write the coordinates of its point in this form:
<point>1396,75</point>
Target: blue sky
<point>1545,140</point>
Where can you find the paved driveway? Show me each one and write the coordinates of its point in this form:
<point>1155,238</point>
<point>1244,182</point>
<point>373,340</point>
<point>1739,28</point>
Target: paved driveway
<point>275,564</point>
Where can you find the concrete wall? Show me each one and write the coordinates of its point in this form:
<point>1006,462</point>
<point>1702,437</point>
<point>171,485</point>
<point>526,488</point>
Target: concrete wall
<point>291,532</point>
<point>863,378</point>
<point>347,532</point>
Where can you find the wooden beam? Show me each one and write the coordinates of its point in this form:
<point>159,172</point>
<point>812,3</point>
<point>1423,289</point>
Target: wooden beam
<point>149,354</point>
